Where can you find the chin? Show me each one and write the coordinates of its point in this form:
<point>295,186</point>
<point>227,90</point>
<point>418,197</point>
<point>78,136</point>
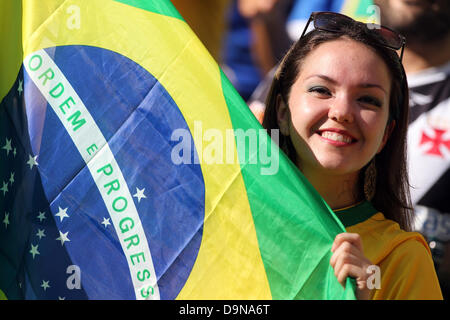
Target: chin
<point>334,168</point>
<point>341,166</point>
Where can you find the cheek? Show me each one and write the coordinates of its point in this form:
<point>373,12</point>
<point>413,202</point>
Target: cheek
<point>307,114</point>
<point>374,128</point>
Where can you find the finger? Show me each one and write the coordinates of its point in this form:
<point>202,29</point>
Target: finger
<point>346,271</point>
<point>353,238</point>
<point>343,261</point>
<point>346,251</point>
<point>358,264</point>
<point>346,248</point>
<point>349,270</point>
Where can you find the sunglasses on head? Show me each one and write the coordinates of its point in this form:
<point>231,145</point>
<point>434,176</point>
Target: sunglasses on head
<point>336,22</point>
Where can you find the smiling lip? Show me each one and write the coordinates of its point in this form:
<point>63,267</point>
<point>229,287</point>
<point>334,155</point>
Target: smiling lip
<point>337,137</point>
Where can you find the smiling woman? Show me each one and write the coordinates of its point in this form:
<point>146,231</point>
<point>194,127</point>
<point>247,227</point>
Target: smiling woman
<point>338,118</point>
<point>340,101</point>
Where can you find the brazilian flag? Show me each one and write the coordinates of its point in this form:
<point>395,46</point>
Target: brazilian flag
<point>131,169</point>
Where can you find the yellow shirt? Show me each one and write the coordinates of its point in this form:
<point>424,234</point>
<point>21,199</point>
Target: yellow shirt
<point>404,258</point>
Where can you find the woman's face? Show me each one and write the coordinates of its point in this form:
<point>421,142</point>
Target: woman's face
<point>338,108</point>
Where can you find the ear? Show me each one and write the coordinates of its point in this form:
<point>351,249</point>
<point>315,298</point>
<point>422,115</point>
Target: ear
<point>283,116</point>
<point>387,133</point>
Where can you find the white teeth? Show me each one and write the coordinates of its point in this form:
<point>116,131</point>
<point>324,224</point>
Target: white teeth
<point>336,136</point>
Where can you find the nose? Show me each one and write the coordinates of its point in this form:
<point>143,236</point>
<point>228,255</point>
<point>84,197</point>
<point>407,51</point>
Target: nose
<point>341,110</point>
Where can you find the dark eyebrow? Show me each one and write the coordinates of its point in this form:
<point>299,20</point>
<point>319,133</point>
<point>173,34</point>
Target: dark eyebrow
<point>371,85</point>
<point>362,85</point>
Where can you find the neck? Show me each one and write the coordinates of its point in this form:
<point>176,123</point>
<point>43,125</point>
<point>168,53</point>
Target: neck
<point>419,56</point>
<point>337,191</point>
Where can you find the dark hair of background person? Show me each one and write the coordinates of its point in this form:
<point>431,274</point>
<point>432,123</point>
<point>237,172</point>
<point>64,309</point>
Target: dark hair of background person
<point>392,196</point>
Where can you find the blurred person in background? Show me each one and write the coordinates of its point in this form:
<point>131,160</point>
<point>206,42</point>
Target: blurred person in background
<point>426,26</point>
<point>255,41</point>
<point>267,20</point>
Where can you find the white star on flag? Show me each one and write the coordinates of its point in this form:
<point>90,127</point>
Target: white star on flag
<point>41,216</point>
<point>45,284</point>
<point>32,161</point>
<point>4,188</point>
<point>34,250</point>
<point>40,234</point>
<point>139,194</point>
<point>62,213</point>
<point>63,237</point>
<point>6,220</point>
<point>106,222</point>
<point>7,146</point>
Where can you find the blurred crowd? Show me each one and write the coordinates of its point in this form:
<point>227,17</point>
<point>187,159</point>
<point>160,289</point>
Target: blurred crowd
<point>249,37</point>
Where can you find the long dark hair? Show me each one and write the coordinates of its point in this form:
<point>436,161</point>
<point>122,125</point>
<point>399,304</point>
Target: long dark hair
<point>392,196</point>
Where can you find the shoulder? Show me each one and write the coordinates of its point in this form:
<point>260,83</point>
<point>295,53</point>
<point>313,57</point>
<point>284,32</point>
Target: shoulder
<point>381,236</point>
<point>407,272</point>
<point>404,259</point>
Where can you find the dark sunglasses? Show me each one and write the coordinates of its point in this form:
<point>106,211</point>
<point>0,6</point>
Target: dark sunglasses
<point>335,22</point>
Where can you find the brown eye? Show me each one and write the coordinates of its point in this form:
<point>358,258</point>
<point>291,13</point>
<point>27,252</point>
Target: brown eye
<point>370,100</point>
<point>320,90</point>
